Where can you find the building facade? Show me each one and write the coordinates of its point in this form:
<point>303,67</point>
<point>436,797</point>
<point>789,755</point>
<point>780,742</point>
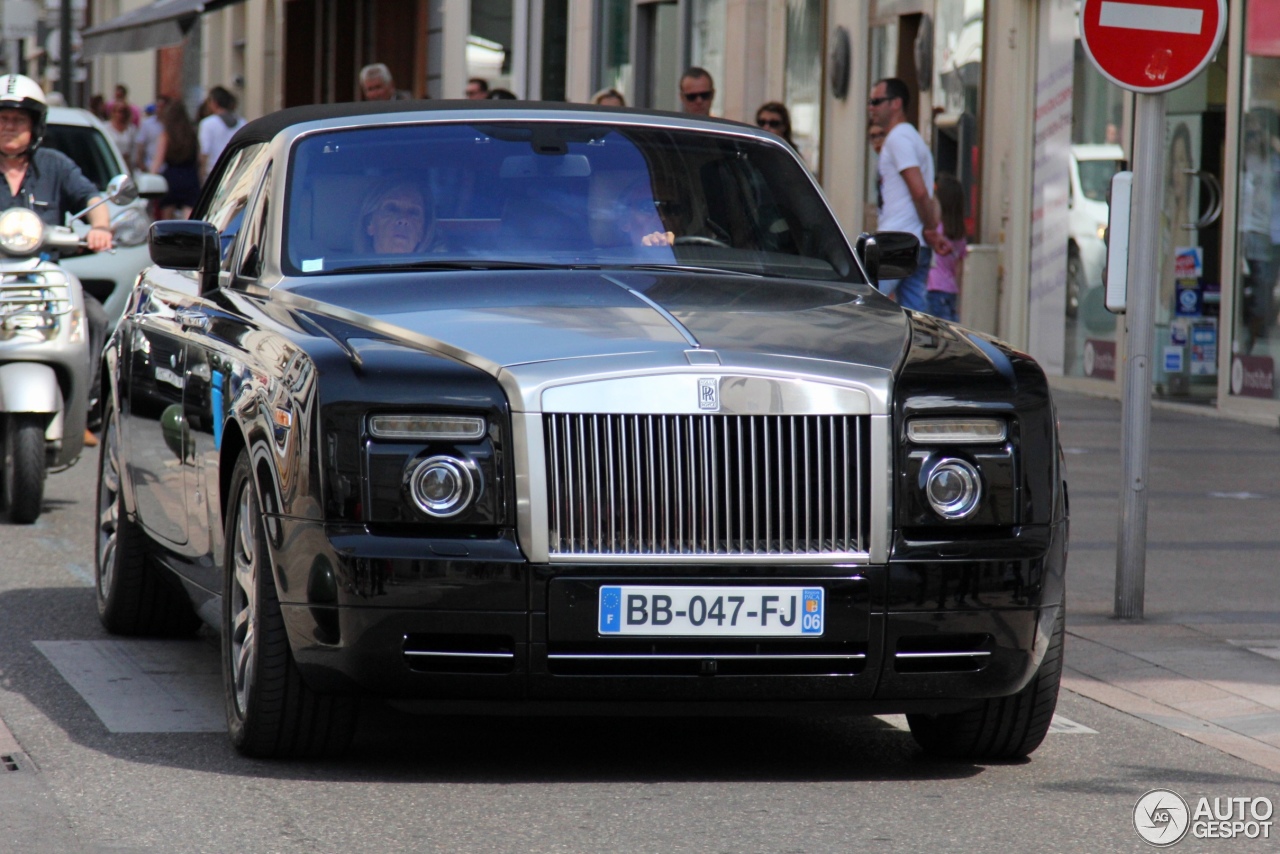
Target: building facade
<point>1001,91</point>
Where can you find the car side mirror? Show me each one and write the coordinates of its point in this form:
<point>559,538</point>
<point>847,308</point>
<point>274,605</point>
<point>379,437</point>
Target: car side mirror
<point>187,244</point>
<point>121,190</point>
<point>899,254</point>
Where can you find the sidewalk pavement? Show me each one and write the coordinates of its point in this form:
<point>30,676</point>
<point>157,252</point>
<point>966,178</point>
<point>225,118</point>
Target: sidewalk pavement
<point>1205,659</point>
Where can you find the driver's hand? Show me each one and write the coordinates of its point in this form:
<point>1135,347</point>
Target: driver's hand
<point>99,238</point>
<point>658,238</point>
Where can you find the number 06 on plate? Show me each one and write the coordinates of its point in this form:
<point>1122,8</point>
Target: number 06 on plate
<point>711,611</point>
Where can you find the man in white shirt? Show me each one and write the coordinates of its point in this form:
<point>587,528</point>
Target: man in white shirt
<point>906,187</point>
<point>217,128</point>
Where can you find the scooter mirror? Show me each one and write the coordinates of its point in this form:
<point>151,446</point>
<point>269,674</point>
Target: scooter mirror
<point>121,190</point>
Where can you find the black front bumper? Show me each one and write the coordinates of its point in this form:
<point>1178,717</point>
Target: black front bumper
<point>487,627</point>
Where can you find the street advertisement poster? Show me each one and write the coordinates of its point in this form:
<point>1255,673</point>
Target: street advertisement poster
<point>1100,359</point>
<point>1188,267</point>
<point>1253,376</point>
<point>1204,347</point>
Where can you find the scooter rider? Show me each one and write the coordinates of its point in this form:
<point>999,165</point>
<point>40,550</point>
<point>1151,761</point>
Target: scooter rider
<point>49,183</point>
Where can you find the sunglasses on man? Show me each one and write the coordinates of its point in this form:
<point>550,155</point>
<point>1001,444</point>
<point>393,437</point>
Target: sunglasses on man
<point>700,96</point>
<point>875,102</point>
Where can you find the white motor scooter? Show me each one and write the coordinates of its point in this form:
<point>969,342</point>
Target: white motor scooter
<point>45,365</point>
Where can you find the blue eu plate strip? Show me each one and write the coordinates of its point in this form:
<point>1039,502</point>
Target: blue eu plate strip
<point>610,610</point>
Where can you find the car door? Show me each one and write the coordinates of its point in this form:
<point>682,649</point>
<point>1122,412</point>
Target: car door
<point>152,405</point>
<point>216,363</point>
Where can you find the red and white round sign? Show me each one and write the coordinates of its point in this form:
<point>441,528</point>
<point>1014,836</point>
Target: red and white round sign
<point>1152,46</point>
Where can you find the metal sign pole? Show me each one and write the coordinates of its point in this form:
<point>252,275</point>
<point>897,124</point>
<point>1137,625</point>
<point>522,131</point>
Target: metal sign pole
<point>1144,288</point>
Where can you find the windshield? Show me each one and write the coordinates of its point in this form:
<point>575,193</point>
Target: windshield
<point>1095,177</point>
<point>505,194</point>
<point>88,148</point>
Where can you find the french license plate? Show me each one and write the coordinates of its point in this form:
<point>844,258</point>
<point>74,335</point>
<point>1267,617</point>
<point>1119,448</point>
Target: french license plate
<point>711,611</point>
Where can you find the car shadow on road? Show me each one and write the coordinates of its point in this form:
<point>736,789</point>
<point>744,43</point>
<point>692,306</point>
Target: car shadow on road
<point>396,746</point>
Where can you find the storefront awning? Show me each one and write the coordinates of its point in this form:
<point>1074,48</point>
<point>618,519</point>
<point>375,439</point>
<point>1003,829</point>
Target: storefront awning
<point>158,24</point>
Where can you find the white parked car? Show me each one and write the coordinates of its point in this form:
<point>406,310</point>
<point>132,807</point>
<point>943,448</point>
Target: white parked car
<point>1091,169</point>
<point>108,276</point>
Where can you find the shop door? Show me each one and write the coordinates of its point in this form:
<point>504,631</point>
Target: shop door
<point>1189,331</point>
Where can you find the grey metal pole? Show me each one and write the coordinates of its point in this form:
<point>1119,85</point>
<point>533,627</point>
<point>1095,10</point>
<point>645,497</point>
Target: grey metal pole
<point>1144,289</point>
<point>66,81</point>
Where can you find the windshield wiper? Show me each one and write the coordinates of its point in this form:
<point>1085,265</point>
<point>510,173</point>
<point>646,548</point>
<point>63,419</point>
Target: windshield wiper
<point>477,264</point>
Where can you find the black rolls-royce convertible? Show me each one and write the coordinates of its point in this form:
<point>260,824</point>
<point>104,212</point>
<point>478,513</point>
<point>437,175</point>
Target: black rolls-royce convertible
<point>482,406</point>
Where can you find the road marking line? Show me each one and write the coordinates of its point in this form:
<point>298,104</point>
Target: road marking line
<point>8,744</point>
<point>144,686</point>
<point>1059,725</point>
<point>1157,19</point>
<point>1066,726</point>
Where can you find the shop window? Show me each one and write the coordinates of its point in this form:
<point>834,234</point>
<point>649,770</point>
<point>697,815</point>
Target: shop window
<point>957,96</point>
<point>489,44</point>
<point>1256,334</point>
<point>613,46</point>
<point>803,85</point>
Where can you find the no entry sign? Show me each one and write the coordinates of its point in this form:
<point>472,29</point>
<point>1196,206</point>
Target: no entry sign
<point>1154,46</point>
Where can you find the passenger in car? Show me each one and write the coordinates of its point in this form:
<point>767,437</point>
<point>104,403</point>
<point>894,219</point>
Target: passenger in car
<point>396,219</point>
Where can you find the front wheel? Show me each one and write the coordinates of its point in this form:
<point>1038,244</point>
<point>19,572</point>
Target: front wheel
<point>1004,727</point>
<point>134,596</point>
<point>24,470</point>
<point>271,712</point>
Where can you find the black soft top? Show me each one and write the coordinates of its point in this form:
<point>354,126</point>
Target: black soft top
<point>266,128</point>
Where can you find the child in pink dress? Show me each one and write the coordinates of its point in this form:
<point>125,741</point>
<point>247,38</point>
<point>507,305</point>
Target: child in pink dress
<point>947,271</point>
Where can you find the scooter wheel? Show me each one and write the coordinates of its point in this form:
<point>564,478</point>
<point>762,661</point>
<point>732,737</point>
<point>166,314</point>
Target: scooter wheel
<point>24,468</point>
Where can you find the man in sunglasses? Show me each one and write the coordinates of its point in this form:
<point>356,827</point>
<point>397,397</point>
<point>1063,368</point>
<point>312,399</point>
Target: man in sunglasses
<point>697,91</point>
<point>906,188</point>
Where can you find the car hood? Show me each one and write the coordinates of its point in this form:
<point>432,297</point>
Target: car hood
<point>534,330</point>
<point>509,318</point>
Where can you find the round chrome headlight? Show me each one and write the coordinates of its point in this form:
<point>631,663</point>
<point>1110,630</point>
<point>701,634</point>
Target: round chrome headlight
<point>444,486</point>
<point>21,231</point>
<point>954,488</point>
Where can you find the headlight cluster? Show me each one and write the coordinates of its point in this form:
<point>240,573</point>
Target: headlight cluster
<point>444,486</point>
<point>954,488</point>
<point>439,464</point>
<point>961,469</point>
<point>21,231</point>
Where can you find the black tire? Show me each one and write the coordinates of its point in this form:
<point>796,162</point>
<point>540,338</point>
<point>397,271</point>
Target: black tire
<point>271,712</point>
<point>24,472</point>
<point>1001,728</point>
<point>135,597</point>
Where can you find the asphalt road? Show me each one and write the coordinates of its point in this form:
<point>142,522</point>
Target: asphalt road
<point>86,784</point>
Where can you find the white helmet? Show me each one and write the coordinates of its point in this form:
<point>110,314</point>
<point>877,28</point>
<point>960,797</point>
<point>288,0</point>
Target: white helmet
<point>18,92</point>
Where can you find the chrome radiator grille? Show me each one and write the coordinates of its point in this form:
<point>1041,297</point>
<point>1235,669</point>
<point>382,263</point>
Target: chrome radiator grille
<point>707,484</point>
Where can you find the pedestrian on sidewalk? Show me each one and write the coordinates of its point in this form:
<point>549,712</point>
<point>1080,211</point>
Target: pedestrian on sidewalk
<point>906,188</point>
<point>697,91</point>
<point>946,274</point>
<point>217,128</point>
